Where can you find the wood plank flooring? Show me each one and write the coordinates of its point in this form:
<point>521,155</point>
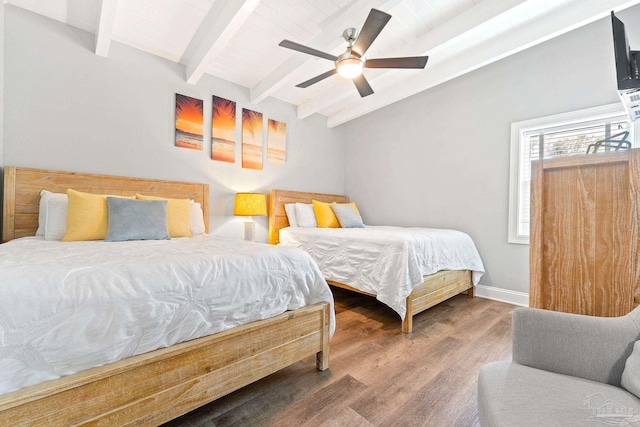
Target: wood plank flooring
<point>378,375</point>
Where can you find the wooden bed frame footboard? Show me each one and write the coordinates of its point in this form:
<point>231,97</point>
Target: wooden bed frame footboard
<point>435,289</point>
<point>158,386</point>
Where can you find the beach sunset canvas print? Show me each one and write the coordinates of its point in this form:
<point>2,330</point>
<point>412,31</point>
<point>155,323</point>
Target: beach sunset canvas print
<point>251,139</point>
<point>223,130</point>
<point>189,116</point>
<point>277,142</point>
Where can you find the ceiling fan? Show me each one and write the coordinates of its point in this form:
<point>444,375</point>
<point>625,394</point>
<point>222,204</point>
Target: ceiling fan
<point>352,61</point>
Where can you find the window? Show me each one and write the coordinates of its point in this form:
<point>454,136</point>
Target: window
<point>566,134</point>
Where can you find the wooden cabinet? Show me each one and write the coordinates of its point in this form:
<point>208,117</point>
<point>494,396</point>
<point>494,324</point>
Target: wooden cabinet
<point>585,236</point>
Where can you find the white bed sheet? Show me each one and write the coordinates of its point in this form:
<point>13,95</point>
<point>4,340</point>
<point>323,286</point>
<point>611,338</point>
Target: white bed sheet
<point>383,260</point>
<point>67,307</point>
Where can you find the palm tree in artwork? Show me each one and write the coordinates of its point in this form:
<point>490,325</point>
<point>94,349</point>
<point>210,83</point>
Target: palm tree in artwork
<point>277,127</point>
<point>277,141</point>
<point>188,105</point>
<point>251,121</point>
<point>189,114</point>
<point>223,108</point>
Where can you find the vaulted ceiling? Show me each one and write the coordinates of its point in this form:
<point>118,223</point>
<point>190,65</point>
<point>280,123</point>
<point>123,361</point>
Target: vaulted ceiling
<point>237,40</point>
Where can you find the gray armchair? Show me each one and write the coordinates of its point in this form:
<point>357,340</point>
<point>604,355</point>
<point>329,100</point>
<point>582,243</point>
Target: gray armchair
<point>566,371</point>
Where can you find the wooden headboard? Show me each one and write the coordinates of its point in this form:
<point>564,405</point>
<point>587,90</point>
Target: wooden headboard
<point>277,200</point>
<point>22,188</point>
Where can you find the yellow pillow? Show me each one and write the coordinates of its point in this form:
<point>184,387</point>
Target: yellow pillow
<point>325,216</point>
<point>88,216</point>
<point>177,215</point>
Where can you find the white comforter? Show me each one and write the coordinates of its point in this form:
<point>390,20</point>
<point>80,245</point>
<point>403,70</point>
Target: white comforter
<point>385,261</point>
<point>67,307</point>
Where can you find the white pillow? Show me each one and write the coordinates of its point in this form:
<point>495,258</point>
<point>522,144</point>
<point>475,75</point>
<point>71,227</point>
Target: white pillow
<point>60,220</point>
<point>56,220</point>
<point>42,213</point>
<point>305,215</point>
<point>196,219</point>
<point>290,209</point>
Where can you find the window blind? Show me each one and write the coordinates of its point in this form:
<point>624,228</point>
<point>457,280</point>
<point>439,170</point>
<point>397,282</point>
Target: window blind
<point>560,141</point>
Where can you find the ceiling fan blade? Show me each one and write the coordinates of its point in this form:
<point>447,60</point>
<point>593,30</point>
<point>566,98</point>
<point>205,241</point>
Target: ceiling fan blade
<point>406,62</point>
<point>304,49</point>
<point>316,79</point>
<point>372,26</point>
<point>363,86</point>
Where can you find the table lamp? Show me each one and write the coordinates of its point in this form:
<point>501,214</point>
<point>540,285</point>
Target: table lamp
<point>250,204</point>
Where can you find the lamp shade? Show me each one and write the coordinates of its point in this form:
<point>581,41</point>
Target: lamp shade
<point>250,204</point>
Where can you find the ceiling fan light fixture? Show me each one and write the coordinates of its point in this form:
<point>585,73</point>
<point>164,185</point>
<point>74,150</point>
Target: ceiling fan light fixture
<point>350,67</point>
<point>351,63</point>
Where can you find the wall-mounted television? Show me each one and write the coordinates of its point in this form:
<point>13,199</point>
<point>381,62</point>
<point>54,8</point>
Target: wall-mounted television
<point>627,72</point>
<point>626,59</point>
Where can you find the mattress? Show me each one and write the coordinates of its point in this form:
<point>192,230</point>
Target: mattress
<point>385,261</point>
<point>68,307</point>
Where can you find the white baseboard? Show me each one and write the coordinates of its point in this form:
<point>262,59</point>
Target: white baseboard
<point>502,295</point>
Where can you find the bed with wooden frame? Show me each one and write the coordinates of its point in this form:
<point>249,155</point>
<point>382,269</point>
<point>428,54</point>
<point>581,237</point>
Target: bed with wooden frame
<point>152,388</point>
<point>436,287</point>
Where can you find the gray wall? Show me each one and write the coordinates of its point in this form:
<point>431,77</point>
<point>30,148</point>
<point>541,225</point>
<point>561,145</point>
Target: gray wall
<point>441,157</point>
<point>69,109</point>
<point>437,159</point>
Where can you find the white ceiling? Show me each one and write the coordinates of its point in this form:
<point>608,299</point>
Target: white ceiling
<point>237,40</point>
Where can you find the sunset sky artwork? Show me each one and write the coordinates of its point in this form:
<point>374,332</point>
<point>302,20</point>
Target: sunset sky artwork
<point>223,130</point>
<point>251,139</point>
<point>189,118</point>
<point>277,142</point>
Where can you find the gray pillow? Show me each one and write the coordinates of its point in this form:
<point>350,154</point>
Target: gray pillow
<point>631,373</point>
<point>347,216</point>
<point>137,220</point>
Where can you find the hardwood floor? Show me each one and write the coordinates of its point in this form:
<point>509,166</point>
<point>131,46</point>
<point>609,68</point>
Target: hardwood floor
<point>378,375</point>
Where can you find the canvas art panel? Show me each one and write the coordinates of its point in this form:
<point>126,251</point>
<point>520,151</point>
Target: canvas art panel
<point>189,122</point>
<point>223,130</point>
<point>251,139</point>
<point>277,142</point>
